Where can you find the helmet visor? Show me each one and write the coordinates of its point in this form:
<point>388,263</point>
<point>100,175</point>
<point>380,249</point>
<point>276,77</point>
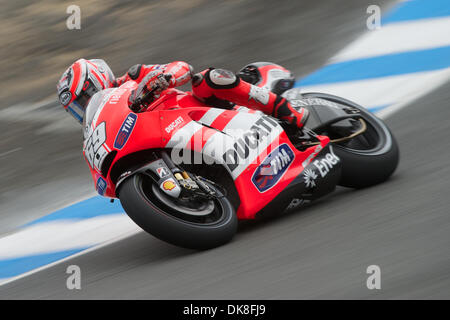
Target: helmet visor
<point>77,107</point>
<point>76,110</point>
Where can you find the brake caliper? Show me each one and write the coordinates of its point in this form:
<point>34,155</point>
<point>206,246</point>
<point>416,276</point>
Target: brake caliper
<point>194,185</point>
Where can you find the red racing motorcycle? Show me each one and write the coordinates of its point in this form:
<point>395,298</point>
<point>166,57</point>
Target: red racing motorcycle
<point>186,172</point>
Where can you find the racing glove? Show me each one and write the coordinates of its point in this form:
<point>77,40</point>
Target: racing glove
<point>283,110</point>
<point>154,82</point>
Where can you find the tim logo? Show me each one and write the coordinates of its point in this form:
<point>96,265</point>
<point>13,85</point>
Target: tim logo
<point>273,167</point>
<point>125,131</point>
<point>101,186</point>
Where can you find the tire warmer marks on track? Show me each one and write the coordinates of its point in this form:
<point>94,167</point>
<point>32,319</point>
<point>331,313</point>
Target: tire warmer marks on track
<point>382,70</point>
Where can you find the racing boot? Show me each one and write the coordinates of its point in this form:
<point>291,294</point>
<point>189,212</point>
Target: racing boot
<point>218,87</point>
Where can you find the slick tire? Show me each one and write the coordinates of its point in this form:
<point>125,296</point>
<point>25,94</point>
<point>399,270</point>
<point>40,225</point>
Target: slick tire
<point>365,167</point>
<point>165,223</point>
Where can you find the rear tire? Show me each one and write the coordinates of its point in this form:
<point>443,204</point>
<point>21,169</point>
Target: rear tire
<point>178,228</point>
<point>364,167</point>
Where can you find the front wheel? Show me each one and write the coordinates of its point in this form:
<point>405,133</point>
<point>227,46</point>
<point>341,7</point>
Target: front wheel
<point>195,224</point>
<point>368,158</point>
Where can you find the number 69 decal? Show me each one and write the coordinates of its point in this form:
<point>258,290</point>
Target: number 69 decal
<point>94,150</point>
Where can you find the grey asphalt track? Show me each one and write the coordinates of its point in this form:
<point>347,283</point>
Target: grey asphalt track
<point>320,252</point>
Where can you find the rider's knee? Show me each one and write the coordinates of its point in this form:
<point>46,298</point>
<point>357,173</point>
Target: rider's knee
<point>216,79</point>
<point>205,86</point>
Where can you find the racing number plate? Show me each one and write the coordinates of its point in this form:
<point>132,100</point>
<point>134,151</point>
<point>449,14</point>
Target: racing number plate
<point>94,148</point>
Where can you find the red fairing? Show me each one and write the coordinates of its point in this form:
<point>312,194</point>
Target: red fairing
<point>179,120</point>
<point>254,199</point>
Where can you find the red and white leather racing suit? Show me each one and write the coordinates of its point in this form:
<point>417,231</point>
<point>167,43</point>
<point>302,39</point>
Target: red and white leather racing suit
<point>181,73</point>
<point>216,87</point>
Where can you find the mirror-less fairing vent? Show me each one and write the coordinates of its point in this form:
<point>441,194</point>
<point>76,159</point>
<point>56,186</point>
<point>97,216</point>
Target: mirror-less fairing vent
<point>131,162</point>
<point>107,162</point>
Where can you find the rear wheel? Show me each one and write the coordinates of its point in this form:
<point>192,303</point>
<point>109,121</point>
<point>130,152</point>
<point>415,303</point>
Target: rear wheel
<point>194,223</point>
<point>368,158</point>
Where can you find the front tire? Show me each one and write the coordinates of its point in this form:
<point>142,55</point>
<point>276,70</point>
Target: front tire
<point>155,215</point>
<point>370,158</point>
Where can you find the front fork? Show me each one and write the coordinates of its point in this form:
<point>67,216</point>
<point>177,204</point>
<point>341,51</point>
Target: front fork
<point>181,176</point>
<point>174,181</point>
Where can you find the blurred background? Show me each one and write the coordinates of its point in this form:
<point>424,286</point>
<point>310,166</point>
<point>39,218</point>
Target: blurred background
<point>40,153</point>
<point>321,252</point>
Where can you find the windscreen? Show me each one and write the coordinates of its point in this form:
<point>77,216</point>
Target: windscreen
<point>96,103</point>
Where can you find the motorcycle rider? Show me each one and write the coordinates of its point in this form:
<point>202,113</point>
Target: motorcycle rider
<point>216,87</point>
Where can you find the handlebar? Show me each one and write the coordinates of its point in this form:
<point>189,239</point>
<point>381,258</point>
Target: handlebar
<point>136,105</point>
<point>147,97</point>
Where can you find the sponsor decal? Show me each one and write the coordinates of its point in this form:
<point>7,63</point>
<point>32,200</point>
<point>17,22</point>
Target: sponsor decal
<point>309,176</point>
<point>273,167</point>
<point>325,164</point>
<point>295,203</point>
<point>162,172</point>
<point>65,98</point>
<point>169,184</point>
<point>125,131</point>
<point>101,186</point>
<point>170,187</point>
<point>116,95</point>
<point>249,141</point>
<point>174,124</point>
<point>303,102</point>
<point>312,156</point>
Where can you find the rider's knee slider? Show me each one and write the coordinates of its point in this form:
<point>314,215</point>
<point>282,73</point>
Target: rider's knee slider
<point>221,79</point>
